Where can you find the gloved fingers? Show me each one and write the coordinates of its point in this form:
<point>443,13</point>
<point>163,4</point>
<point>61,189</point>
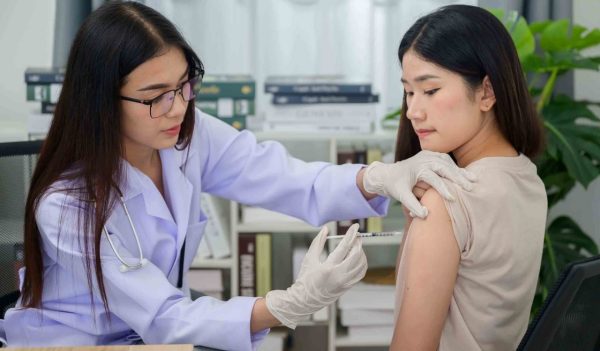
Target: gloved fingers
<point>453,173</point>
<point>357,271</point>
<point>408,199</point>
<point>318,243</point>
<point>434,180</point>
<point>351,259</point>
<point>341,251</point>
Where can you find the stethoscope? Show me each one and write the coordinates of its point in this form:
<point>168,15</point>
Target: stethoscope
<point>126,267</point>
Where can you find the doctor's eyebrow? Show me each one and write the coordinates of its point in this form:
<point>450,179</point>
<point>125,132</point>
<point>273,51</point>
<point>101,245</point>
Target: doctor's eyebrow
<point>162,85</point>
<point>420,78</point>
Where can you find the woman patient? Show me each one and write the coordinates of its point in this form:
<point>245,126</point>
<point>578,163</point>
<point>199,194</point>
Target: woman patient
<point>466,275</point>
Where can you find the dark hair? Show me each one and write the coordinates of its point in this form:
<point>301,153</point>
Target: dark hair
<point>84,143</point>
<point>471,42</point>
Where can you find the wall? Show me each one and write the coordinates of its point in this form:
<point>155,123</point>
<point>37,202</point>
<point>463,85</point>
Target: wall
<point>584,205</point>
<point>26,39</point>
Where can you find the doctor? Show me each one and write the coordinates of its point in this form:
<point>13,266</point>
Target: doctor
<point>113,214</point>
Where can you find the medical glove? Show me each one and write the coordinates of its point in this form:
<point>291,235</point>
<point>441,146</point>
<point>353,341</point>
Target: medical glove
<point>320,283</point>
<point>397,180</point>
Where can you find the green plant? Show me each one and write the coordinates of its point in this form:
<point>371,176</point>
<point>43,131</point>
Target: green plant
<point>547,50</point>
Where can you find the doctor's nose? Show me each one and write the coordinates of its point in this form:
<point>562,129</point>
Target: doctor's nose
<point>179,106</point>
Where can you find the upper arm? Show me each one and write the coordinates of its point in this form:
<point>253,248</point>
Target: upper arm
<point>430,261</point>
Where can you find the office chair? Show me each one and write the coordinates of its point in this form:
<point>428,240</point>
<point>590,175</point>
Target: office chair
<point>17,160</point>
<point>570,316</point>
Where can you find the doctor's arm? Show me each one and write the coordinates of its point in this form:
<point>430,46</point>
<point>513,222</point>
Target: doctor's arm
<point>430,261</point>
<point>143,299</point>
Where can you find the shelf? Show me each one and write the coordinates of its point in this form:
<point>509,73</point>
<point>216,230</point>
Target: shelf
<point>343,340</point>
<point>379,136</point>
<point>212,263</point>
<point>277,227</point>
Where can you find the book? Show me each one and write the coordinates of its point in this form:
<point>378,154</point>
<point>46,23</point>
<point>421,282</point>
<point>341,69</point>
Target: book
<point>281,271</point>
<point>363,316</point>
<point>43,92</point>
<point>206,281</point>
<point>216,231</point>
<point>321,113</point>
<point>251,214</point>
<point>203,251</point>
<point>48,107</point>
<point>226,107</point>
<point>232,86</point>
<point>247,265</point>
<point>37,75</point>
<point>368,296</point>
<point>323,126</point>
<point>374,224</point>
<point>314,84</point>
<point>263,264</point>
<point>370,332</point>
<point>295,99</point>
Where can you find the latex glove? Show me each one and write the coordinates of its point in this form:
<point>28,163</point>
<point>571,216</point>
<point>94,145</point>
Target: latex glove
<point>320,283</point>
<point>397,180</point>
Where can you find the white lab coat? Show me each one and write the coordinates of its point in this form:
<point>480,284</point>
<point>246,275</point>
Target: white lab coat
<point>145,303</point>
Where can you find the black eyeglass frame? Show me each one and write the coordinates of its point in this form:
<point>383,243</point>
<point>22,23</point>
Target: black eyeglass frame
<point>148,102</point>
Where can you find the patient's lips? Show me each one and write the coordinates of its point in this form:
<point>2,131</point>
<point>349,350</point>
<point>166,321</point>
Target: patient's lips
<point>424,132</point>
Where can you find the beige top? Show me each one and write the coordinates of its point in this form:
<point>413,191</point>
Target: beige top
<point>499,227</point>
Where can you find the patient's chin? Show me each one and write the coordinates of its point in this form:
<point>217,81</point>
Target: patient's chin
<point>427,146</point>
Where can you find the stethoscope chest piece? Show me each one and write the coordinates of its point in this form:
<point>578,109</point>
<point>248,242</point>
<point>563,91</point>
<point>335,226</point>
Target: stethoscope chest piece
<point>124,269</point>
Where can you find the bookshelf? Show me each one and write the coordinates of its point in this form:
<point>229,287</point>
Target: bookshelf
<point>311,147</point>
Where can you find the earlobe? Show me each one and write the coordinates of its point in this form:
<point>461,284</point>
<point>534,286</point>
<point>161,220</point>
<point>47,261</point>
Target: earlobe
<point>489,98</point>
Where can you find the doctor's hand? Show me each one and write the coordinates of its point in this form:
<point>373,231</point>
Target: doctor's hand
<point>398,179</point>
<point>320,283</point>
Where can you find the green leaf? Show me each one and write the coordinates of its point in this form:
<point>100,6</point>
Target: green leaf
<point>539,26</point>
<point>592,38</point>
<point>555,37</point>
<point>586,63</point>
<point>519,31</point>
<point>533,63</point>
<point>523,38</point>
<point>573,137</point>
<point>564,232</point>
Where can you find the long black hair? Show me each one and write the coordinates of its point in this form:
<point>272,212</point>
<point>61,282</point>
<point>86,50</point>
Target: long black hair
<point>471,42</point>
<point>84,142</point>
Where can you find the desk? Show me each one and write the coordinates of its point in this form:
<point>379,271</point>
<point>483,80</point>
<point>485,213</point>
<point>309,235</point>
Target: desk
<point>113,348</point>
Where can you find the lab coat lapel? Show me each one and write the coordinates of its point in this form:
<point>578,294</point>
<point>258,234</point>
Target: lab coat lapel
<point>138,183</point>
<point>178,191</point>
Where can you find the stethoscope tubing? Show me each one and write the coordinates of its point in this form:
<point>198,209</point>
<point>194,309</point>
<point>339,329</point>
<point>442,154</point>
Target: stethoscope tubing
<point>125,267</point>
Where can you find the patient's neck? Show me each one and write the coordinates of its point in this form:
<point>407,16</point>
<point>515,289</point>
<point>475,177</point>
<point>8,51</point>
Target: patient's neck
<point>488,142</point>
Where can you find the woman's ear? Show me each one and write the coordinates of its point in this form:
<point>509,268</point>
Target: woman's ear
<point>488,99</point>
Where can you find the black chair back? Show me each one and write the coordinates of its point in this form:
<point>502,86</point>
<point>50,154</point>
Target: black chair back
<point>570,316</point>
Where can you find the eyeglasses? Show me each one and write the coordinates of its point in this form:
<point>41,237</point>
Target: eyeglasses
<point>162,104</point>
